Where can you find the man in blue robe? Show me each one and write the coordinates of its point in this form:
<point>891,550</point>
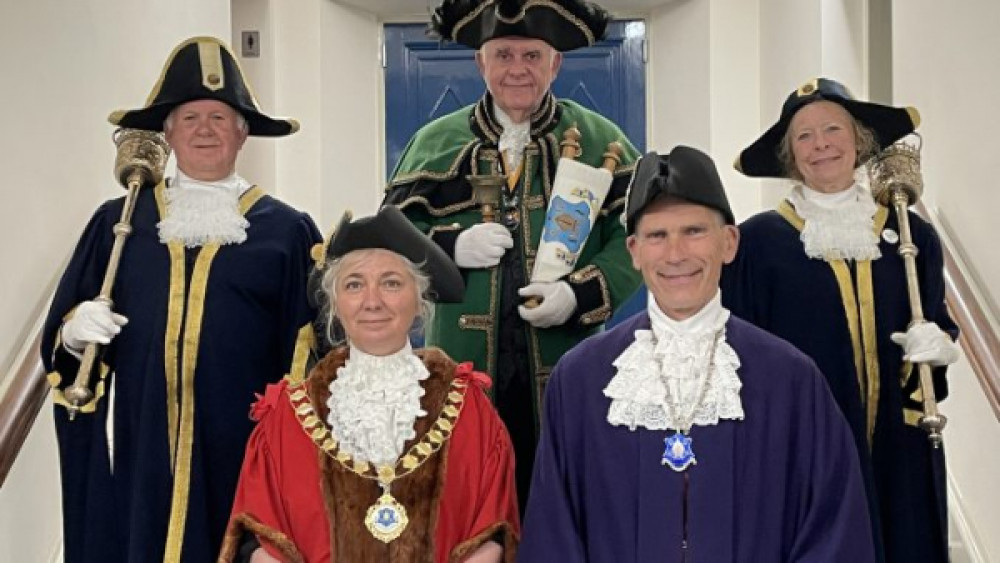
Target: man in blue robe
<point>210,305</point>
<point>686,434</point>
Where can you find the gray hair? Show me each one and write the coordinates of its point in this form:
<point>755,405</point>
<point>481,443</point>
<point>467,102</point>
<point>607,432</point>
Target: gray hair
<point>241,121</point>
<point>328,289</point>
<point>865,145</point>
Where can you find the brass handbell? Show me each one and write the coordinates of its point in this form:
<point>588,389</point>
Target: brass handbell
<point>486,190</point>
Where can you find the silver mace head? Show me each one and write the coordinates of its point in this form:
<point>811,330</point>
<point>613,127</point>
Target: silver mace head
<point>140,152</point>
<point>897,167</point>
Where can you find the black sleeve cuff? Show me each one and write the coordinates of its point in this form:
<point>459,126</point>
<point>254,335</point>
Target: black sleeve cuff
<point>593,300</point>
<point>445,237</point>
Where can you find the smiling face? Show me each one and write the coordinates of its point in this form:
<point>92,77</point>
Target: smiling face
<point>206,136</point>
<point>824,146</point>
<point>518,72</point>
<point>376,300</point>
<point>680,249</point>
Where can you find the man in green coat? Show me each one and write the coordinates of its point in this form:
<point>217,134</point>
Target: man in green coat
<point>515,130</point>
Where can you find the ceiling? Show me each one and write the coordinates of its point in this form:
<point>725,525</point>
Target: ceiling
<point>396,9</point>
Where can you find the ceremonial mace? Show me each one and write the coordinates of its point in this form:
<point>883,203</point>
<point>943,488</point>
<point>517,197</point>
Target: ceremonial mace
<point>486,189</point>
<point>141,158</point>
<point>896,181</point>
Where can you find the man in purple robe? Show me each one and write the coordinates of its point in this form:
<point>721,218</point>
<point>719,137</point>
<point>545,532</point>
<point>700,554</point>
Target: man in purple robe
<point>686,434</point>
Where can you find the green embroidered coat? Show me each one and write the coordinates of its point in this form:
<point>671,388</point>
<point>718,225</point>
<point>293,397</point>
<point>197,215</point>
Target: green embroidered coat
<point>429,185</point>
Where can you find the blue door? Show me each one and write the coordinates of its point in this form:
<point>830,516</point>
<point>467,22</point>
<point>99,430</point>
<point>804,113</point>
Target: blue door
<point>425,79</point>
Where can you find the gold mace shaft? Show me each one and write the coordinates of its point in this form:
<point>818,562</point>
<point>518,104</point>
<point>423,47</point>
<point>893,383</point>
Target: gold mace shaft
<point>79,393</point>
<point>932,421</point>
<point>141,158</point>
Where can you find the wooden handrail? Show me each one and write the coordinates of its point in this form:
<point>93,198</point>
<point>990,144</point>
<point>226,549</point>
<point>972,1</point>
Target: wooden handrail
<point>20,404</point>
<point>978,338</point>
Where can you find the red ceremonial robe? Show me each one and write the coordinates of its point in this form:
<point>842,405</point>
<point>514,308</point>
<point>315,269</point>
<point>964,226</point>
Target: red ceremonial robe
<point>305,505</point>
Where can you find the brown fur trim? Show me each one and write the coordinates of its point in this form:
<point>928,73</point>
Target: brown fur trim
<point>470,545</point>
<point>245,522</point>
<point>347,496</point>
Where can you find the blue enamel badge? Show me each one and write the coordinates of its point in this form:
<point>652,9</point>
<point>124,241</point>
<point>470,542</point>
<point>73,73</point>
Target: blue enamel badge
<point>678,453</point>
<point>568,223</point>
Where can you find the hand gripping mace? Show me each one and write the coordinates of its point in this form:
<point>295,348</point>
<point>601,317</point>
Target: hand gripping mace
<point>896,181</point>
<point>141,158</point>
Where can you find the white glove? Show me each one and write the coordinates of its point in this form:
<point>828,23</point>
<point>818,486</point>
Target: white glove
<point>92,321</point>
<point>482,245</point>
<point>558,303</point>
<point>926,343</point>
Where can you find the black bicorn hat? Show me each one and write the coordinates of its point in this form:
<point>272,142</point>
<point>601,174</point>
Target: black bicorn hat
<point>389,229</point>
<point>889,124</point>
<point>685,173</point>
<point>202,68</point>
<point>563,24</point>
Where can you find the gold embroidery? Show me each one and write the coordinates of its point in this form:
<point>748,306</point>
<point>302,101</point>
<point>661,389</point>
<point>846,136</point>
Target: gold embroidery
<point>175,316</point>
<point>563,12</point>
<point>860,316</point>
<point>866,298</point>
<point>304,342</point>
<point>534,202</point>
<point>485,322</point>
<point>59,398</point>
<point>428,175</point>
<point>443,229</point>
<point>185,444</point>
<point>210,56</point>
<point>603,312</point>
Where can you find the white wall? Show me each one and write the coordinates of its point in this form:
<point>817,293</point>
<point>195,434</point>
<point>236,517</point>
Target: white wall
<point>702,85</point>
<point>945,64</point>
<point>66,66</point>
<point>320,64</point>
<point>257,160</point>
<point>353,148</point>
<point>801,40</point>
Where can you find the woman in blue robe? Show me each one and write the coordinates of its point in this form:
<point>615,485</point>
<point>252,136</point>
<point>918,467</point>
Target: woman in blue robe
<point>823,271</point>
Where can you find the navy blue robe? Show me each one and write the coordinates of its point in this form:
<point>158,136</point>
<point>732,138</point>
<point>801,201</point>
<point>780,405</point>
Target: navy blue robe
<point>781,485</point>
<point>773,284</point>
<point>254,329</point>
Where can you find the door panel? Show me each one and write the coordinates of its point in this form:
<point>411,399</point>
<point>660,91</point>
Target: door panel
<point>425,79</point>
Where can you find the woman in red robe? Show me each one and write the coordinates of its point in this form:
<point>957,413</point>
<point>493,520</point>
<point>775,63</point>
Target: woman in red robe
<point>383,453</point>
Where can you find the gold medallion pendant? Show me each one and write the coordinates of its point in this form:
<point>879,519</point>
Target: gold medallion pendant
<point>386,519</point>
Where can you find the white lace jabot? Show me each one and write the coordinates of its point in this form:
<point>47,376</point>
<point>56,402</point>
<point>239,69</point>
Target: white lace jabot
<point>513,139</point>
<point>662,383</point>
<point>840,225</point>
<point>200,213</point>
<point>374,402</point>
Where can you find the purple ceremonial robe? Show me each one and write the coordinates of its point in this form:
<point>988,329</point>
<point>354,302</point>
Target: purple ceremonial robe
<point>783,484</point>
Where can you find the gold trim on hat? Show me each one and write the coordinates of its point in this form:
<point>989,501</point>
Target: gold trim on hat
<point>523,14</point>
<point>808,88</point>
<point>213,76</point>
<point>117,116</point>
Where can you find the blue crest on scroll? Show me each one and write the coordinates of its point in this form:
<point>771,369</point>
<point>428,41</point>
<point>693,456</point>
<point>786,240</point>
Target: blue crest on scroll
<point>568,223</point>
